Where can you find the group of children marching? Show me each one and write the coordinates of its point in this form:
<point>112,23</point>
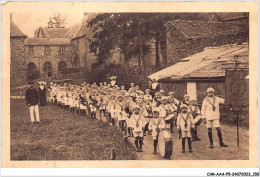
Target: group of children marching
<point>135,112</point>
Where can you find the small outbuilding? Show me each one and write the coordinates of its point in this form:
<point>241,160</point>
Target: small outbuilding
<point>194,74</point>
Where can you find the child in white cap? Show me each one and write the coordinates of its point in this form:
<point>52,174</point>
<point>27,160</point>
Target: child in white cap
<point>195,111</point>
<point>138,122</point>
<point>184,125</point>
<point>147,95</point>
<point>166,111</point>
<point>156,124</point>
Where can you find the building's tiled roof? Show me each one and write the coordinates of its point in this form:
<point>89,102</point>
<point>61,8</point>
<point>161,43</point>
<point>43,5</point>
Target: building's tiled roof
<point>198,29</point>
<point>47,41</point>
<point>227,16</point>
<point>53,32</point>
<point>15,31</point>
<point>81,29</point>
<point>212,62</point>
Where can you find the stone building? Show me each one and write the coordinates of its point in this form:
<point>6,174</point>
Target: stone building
<point>18,59</point>
<point>49,52</point>
<point>80,35</point>
<point>185,38</point>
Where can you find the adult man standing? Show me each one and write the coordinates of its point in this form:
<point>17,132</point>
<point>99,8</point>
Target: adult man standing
<point>210,112</point>
<point>31,97</point>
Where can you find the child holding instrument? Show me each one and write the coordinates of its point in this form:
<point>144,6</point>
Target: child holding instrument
<point>166,112</point>
<point>184,125</point>
<point>156,124</point>
<point>195,111</point>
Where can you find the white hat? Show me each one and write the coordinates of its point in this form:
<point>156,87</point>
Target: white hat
<point>186,95</point>
<point>210,89</point>
<point>156,109</point>
<point>164,98</point>
<point>184,106</point>
<point>136,106</point>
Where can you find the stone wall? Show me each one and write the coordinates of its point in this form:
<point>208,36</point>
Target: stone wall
<point>17,66</point>
<point>39,58</point>
<point>178,46</point>
<point>81,50</point>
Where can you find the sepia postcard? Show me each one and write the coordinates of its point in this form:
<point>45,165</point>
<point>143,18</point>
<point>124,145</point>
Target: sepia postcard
<point>129,84</point>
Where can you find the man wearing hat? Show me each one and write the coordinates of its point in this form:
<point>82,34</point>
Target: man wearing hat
<point>31,97</point>
<point>210,112</point>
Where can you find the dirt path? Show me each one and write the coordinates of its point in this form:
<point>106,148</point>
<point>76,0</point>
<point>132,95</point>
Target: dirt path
<point>201,150</point>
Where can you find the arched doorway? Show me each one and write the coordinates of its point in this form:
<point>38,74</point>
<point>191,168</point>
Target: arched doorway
<point>62,65</point>
<point>48,69</point>
<point>32,72</point>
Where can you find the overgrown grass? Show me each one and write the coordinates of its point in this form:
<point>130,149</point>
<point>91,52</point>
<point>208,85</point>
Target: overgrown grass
<point>63,136</point>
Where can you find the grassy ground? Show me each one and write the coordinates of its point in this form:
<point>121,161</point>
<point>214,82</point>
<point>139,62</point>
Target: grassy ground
<point>66,136</point>
<point>63,136</point>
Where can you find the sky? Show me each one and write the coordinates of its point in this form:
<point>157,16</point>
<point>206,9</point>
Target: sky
<point>28,22</point>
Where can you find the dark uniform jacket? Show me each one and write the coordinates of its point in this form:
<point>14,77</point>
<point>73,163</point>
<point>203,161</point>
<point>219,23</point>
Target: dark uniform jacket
<point>31,96</point>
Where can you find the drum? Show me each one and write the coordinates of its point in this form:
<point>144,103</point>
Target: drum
<point>169,118</point>
<point>197,120</point>
<point>165,143</point>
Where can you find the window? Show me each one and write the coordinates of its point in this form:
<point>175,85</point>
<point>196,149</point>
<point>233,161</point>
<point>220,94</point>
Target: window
<point>62,49</point>
<point>30,49</point>
<point>47,50</point>
<point>62,66</point>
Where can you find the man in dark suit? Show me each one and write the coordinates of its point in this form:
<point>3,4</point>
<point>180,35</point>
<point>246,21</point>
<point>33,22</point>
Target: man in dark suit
<point>31,97</point>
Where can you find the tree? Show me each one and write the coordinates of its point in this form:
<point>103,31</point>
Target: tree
<point>132,33</point>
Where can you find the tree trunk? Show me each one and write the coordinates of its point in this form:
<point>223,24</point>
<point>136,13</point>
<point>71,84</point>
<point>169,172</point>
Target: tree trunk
<point>157,57</point>
<point>143,60</point>
<point>139,46</point>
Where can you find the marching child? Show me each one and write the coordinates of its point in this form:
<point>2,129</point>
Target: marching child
<point>195,111</point>
<point>175,108</point>
<point>184,125</point>
<point>83,104</point>
<point>148,114</point>
<point>93,104</point>
<point>137,122</point>
<point>166,111</point>
<point>156,100</point>
<point>119,112</point>
<point>156,124</point>
<point>147,95</point>
<point>110,109</point>
<point>127,112</point>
